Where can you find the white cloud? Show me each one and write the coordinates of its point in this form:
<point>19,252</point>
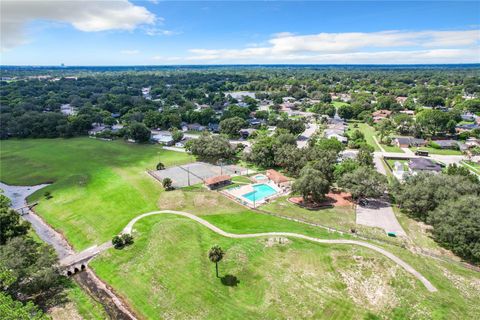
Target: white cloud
<point>130,52</point>
<point>87,16</point>
<point>160,32</point>
<point>354,47</point>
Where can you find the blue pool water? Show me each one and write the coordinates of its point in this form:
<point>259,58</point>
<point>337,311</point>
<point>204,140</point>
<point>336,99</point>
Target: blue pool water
<point>261,191</point>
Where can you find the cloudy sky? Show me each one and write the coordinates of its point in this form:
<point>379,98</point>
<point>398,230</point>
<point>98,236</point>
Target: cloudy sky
<point>154,32</point>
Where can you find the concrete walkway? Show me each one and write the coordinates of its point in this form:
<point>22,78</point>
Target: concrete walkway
<point>403,264</point>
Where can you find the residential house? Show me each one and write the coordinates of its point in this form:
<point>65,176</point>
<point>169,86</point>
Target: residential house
<point>162,137</point>
<point>447,144</point>
<point>117,127</point>
<point>408,112</point>
<point>472,142</point>
<point>468,117</point>
<point>401,100</point>
<point>68,110</point>
<point>405,142</point>
<point>96,128</point>
<point>416,165</point>
<point>214,127</point>
<point>193,127</point>
<point>254,122</point>
<point>467,127</point>
<point>245,133</point>
<point>380,115</point>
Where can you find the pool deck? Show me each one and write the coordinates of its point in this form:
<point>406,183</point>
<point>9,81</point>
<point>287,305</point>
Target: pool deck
<point>237,193</point>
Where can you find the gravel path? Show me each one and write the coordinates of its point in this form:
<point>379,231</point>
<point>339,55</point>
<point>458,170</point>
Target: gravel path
<point>403,264</point>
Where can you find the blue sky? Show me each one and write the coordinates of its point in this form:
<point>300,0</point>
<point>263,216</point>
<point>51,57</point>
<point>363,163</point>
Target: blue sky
<point>197,32</point>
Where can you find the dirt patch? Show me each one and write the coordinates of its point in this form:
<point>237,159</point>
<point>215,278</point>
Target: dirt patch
<point>272,241</point>
<point>204,200</point>
<point>66,311</point>
<point>333,199</point>
<point>367,282</point>
<point>469,287</point>
<point>171,200</point>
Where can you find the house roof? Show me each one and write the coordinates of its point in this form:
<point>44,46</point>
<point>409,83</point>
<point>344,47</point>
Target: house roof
<point>410,140</point>
<point>382,113</point>
<point>276,176</point>
<point>424,164</point>
<point>217,179</point>
<point>446,143</point>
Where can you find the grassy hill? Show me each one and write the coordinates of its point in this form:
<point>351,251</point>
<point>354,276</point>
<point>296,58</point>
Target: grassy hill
<point>99,186</point>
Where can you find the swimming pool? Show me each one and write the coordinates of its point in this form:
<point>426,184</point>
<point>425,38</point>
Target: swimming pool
<point>259,177</point>
<point>261,191</point>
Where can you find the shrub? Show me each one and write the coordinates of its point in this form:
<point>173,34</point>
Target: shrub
<point>118,242</point>
<point>167,184</point>
<point>127,239</point>
<point>160,166</point>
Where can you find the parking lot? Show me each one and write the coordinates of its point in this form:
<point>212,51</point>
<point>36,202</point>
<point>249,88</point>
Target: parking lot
<point>196,172</point>
<point>378,213</point>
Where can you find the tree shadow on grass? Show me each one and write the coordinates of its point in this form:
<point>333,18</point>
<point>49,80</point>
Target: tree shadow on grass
<point>230,280</point>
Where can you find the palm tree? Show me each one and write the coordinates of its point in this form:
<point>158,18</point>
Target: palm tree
<point>216,255</point>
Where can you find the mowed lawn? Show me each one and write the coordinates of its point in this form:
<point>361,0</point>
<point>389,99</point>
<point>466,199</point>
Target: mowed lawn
<point>98,186</point>
<point>166,273</point>
<point>430,150</point>
<point>370,133</point>
<point>341,217</point>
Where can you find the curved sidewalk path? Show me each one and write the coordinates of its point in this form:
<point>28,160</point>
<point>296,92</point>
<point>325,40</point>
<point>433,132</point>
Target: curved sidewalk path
<point>403,264</point>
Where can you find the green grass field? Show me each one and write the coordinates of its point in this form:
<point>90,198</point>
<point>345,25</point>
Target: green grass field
<point>369,133</point>
<point>98,185</point>
<point>339,217</point>
<point>473,166</point>
<point>438,151</point>
<point>337,104</point>
<point>167,274</point>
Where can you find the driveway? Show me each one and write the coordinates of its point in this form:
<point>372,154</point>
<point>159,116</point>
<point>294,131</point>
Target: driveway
<point>379,213</point>
<point>305,136</point>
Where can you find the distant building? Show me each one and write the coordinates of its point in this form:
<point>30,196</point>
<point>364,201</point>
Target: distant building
<point>245,133</point>
<point>447,144</point>
<point>405,142</point>
<point>193,127</point>
<point>401,100</point>
<point>96,128</point>
<point>214,127</point>
<point>68,110</point>
<point>163,137</point>
<point>380,115</point>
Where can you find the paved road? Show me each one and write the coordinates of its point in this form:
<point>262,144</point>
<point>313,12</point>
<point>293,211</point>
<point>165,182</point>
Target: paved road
<point>18,196</point>
<point>406,266</point>
<point>378,213</point>
<point>305,136</point>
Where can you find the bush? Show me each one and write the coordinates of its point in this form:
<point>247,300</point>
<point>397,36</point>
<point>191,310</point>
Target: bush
<point>127,239</point>
<point>167,184</point>
<point>160,166</point>
<point>434,145</point>
<point>48,195</point>
<point>118,242</point>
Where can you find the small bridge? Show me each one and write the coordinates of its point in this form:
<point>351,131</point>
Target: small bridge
<point>78,262</point>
